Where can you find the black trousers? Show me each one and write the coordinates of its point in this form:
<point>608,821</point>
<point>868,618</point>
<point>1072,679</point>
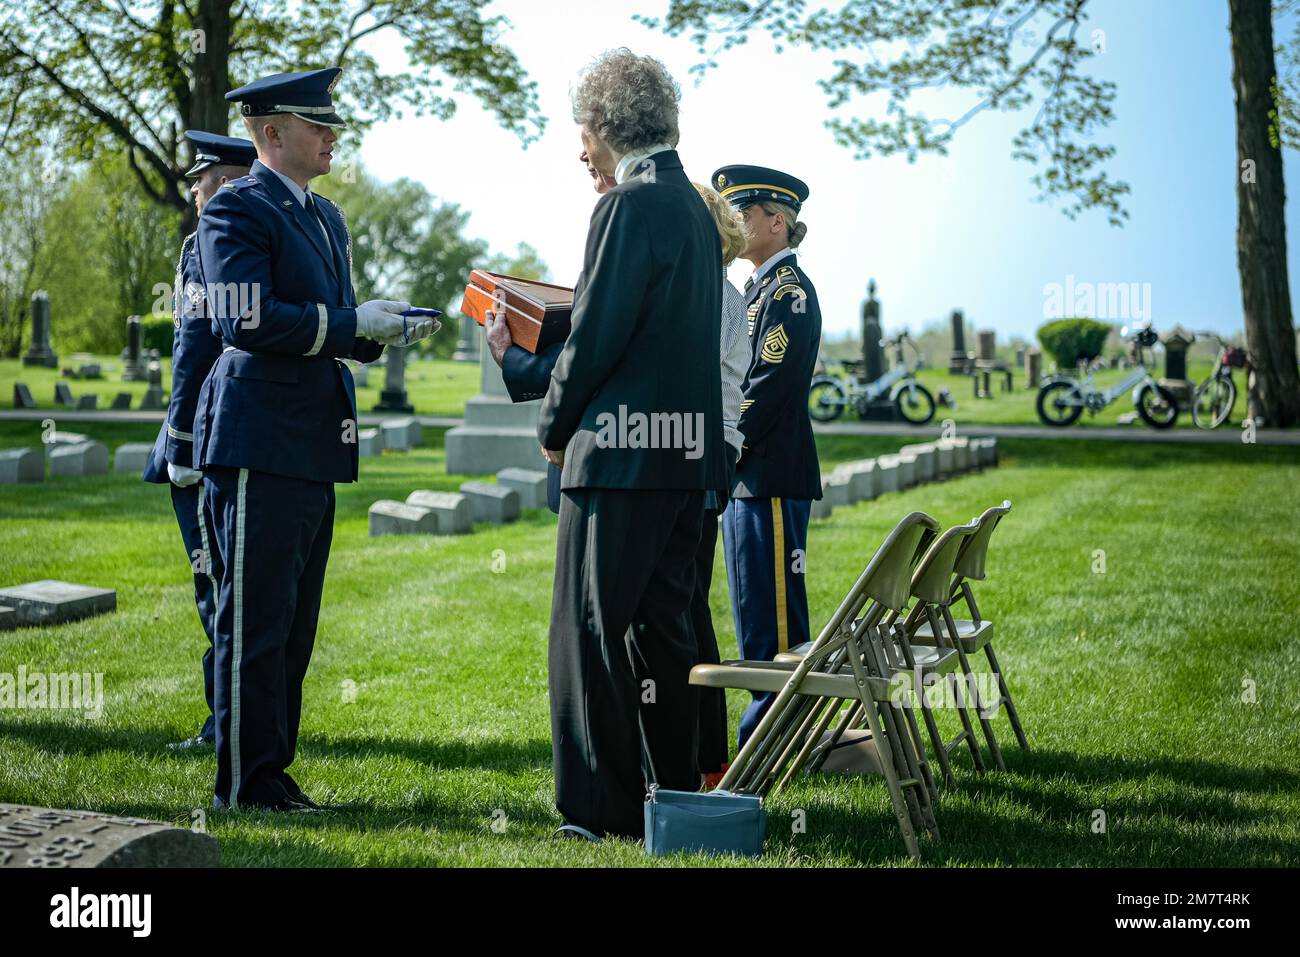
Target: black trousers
<point>273,534</point>
<point>205,562</point>
<point>713,701</point>
<point>621,651</point>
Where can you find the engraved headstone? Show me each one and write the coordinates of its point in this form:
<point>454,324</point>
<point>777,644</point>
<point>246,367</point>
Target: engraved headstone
<point>121,401</point>
<point>23,396</point>
<point>454,514</point>
<point>467,344</point>
<point>63,395</point>
<point>88,402</point>
<point>988,345</point>
<point>1033,368</point>
<point>39,352</point>
<point>45,837</point>
<point>491,503</point>
<point>83,458</point>
<point>132,456</point>
<point>529,483</point>
<point>51,602</point>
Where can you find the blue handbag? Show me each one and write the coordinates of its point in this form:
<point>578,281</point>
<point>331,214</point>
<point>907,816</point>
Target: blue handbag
<point>715,822</point>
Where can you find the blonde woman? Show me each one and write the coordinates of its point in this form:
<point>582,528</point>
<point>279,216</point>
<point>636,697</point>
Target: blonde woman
<point>734,351</point>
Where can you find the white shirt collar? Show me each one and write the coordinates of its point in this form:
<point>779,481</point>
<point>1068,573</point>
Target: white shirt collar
<point>630,161</point>
<point>771,261</point>
<point>298,192</point>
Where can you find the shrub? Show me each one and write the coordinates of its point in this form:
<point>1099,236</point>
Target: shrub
<point>157,334</point>
<point>1070,340</point>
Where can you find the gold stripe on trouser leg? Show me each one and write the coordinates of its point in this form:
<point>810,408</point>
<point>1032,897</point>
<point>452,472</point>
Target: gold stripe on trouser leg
<point>778,549</point>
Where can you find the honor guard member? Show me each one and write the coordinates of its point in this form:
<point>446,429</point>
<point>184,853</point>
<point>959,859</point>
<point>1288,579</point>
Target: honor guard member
<point>217,160</point>
<point>277,421</point>
<point>765,524</point>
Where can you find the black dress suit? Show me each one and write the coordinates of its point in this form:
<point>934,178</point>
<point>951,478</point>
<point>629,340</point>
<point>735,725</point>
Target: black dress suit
<point>644,340</point>
<point>527,376</point>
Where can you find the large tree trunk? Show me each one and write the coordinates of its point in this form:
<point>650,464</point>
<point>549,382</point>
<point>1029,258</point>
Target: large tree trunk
<point>207,108</point>
<point>1261,221</point>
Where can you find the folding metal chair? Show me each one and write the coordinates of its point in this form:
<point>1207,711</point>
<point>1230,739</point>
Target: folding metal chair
<point>842,665</point>
<point>976,633</point>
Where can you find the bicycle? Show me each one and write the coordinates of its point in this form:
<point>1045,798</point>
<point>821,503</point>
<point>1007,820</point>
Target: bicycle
<point>1062,398</point>
<point>829,395</point>
<point>1213,400</point>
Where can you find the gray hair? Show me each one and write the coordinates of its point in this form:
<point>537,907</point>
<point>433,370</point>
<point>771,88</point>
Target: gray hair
<point>629,101</point>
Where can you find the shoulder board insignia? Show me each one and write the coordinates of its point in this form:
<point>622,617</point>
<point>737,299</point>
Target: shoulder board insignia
<point>786,274</point>
<point>790,288</point>
<point>774,345</point>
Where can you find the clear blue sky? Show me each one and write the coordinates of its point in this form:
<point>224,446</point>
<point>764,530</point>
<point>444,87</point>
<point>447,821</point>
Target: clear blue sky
<point>958,232</point>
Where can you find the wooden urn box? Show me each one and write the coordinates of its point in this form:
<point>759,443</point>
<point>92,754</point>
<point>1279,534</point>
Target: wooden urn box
<point>536,312</point>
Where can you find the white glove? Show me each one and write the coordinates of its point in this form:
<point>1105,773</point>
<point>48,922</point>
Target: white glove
<point>182,476</point>
<point>381,319</point>
<point>417,328</point>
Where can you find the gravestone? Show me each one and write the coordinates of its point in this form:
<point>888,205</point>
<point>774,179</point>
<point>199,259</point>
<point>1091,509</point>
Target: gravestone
<point>529,483</point>
<point>822,507</point>
<point>959,360</point>
<point>491,503</point>
<point>927,460</point>
<point>403,433</point>
<point>497,433</point>
<point>52,602</point>
<point>88,402</point>
<point>836,488</point>
<point>467,344</point>
<point>132,456</point>
<point>862,479</point>
<point>23,396</point>
<point>879,409</point>
<point>1033,368</point>
<point>887,475</point>
<point>63,395</point>
<point>392,397</point>
<point>83,458</point>
<point>45,837</point>
<point>454,514</point>
<point>388,517</point>
<point>21,465</point>
<point>58,437</point>
<point>370,442</point>
<point>873,354</point>
<point>39,352</point>
<point>1177,341</point>
<point>134,366</point>
<point>90,370</point>
<point>988,345</point>
<point>121,401</point>
<point>153,396</point>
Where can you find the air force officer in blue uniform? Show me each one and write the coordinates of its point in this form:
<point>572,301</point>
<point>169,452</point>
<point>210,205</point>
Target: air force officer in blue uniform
<point>217,160</point>
<point>276,425</point>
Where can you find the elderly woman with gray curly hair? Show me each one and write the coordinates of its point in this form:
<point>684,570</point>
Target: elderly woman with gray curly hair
<point>634,417</point>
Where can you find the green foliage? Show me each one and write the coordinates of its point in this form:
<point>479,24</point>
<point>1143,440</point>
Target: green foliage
<point>1070,340</point>
<point>407,245</point>
<point>126,77</point>
<point>157,333</point>
<point>1008,57</point>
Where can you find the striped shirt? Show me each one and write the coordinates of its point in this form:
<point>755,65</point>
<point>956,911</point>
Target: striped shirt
<point>734,350</point>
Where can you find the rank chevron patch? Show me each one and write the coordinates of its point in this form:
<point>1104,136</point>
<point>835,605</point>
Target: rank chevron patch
<point>774,345</point>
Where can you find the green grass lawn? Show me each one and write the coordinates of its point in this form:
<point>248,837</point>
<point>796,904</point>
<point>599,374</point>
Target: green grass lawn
<point>434,386</point>
<point>1129,682</point>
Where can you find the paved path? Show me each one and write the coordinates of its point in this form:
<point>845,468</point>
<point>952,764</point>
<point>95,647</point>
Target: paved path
<point>1227,435</point>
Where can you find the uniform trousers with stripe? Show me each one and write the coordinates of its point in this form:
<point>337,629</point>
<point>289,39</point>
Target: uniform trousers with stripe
<point>273,534</point>
<point>765,541</point>
<point>196,534</point>
<point>621,651</point>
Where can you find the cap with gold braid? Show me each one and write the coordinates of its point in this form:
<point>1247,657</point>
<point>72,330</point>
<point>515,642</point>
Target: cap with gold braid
<point>746,185</point>
<point>306,95</point>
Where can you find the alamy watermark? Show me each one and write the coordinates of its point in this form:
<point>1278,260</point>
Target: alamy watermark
<point>54,691</point>
<point>1096,300</point>
<point>654,430</point>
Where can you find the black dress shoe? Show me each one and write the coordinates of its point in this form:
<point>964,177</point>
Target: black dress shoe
<point>196,743</point>
<point>284,805</point>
